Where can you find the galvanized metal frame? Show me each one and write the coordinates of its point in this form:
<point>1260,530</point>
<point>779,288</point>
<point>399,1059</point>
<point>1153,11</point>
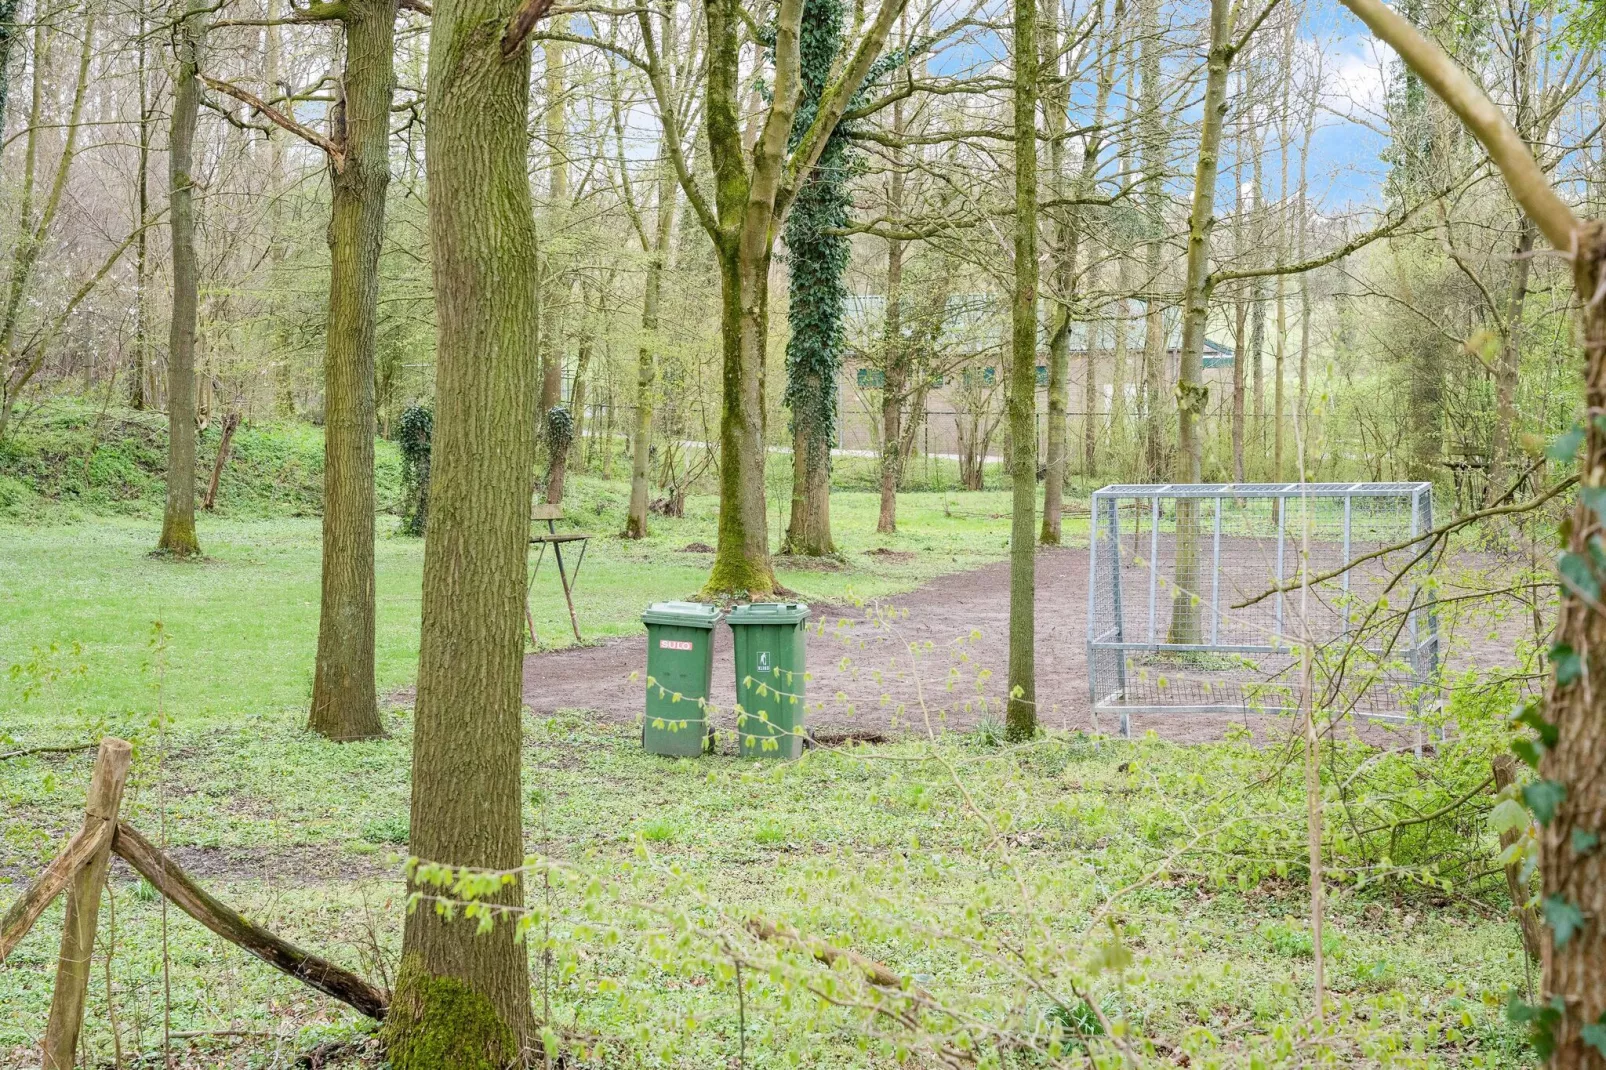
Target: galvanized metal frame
<point>1105,505</point>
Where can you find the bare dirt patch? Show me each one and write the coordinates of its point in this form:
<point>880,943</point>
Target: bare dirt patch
<point>936,658</point>
<point>863,677</point>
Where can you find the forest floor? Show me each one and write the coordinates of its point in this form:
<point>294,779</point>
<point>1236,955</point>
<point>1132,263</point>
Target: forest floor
<point>1186,851</point>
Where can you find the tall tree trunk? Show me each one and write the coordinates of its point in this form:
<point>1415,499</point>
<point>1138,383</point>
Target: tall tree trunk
<point>1191,391</point>
<point>1068,240</point>
<point>646,370</point>
<point>138,378</point>
<point>1152,134</point>
<point>896,360</point>
<point>178,519</point>
<point>818,295</point>
<point>1021,715</point>
<point>742,557</point>
<point>17,369</point>
<point>555,283</point>
<point>1302,398</point>
<point>894,390</point>
<point>1572,852</point>
<point>285,402</point>
<point>577,389</point>
<point>462,997</point>
<point>8,29</point>
<point>345,705</point>
<point>1257,308</point>
<point>1509,366</point>
<point>1118,357</point>
<point>753,187</point>
<point>1065,247</point>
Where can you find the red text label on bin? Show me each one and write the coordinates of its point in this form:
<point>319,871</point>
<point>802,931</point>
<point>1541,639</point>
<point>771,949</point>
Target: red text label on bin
<point>674,644</point>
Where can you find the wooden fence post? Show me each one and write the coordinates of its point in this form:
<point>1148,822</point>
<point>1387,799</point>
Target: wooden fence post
<point>83,906</point>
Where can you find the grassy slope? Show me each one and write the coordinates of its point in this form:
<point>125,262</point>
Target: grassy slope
<point>64,461</point>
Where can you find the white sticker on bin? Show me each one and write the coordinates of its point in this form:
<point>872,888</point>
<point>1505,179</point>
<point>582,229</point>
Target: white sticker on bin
<point>674,644</point>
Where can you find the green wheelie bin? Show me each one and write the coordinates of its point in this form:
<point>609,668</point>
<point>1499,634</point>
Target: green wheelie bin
<point>680,666</point>
<point>770,691</point>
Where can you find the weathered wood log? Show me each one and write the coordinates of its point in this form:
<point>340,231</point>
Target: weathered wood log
<point>83,907</point>
<point>315,972</point>
<point>84,845</point>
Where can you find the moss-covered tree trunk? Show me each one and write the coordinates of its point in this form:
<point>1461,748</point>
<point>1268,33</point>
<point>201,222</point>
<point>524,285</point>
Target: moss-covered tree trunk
<point>463,1000</point>
<point>1021,714</point>
<point>178,517</point>
<point>742,557</point>
<point>345,705</point>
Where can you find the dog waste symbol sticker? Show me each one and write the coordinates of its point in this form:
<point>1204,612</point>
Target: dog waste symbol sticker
<point>763,661</point>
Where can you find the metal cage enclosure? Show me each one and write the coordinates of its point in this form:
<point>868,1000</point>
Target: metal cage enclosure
<point>1195,601</point>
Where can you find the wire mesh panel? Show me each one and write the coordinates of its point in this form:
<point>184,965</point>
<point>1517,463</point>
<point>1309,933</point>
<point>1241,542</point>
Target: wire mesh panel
<point>1201,595</point>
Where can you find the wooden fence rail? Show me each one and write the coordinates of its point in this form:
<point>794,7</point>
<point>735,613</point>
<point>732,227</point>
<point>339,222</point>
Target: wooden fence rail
<point>80,870</point>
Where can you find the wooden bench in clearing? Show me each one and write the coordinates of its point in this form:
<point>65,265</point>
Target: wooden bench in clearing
<point>543,512</point>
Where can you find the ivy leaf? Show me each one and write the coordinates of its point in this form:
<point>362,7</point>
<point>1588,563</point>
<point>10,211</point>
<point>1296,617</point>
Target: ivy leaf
<point>1563,917</point>
<point>1594,499</point>
<point>1529,751</point>
<point>1578,574</point>
<point>1569,663</point>
<point>1508,814</point>
<point>1541,1020</point>
<point>1542,797</point>
<point>1528,714</point>
<point>1565,446</point>
<point>1595,1035</point>
<point>1585,841</point>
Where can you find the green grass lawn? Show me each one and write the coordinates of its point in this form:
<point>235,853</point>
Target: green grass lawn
<point>1084,856</point>
<point>1027,890</point>
<point>241,626</point>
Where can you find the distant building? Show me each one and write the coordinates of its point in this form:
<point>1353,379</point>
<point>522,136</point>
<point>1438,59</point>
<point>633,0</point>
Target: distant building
<point>967,360</point>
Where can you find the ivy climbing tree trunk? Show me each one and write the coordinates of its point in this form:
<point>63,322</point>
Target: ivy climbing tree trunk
<point>345,705</point>
<point>818,293</point>
<point>462,998</point>
<point>1021,714</point>
<point>755,183</point>
<point>178,517</point>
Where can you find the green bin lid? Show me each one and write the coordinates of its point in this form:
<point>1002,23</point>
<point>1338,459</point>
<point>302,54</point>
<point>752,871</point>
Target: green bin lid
<point>685,614</point>
<point>770,613</point>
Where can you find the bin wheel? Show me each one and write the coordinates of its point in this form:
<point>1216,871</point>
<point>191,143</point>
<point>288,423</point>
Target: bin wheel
<point>808,739</point>
<point>709,741</point>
